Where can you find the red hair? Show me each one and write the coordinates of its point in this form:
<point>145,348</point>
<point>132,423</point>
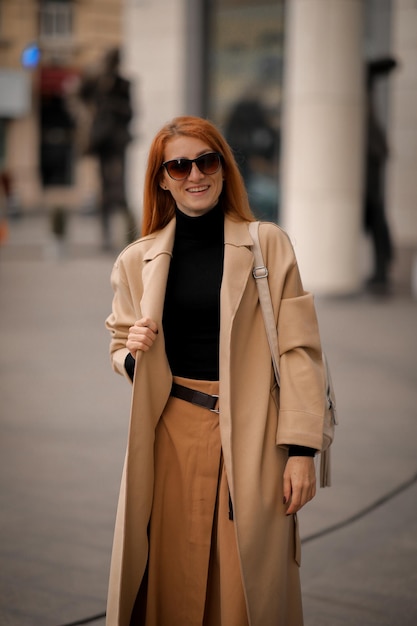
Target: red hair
<point>159,206</point>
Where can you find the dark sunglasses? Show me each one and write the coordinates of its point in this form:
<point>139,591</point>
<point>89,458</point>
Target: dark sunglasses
<point>179,169</point>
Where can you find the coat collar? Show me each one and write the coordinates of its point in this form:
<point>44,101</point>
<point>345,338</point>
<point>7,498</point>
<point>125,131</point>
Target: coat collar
<point>235,234</point>
<point>163,241</point>
<point>238,262</point>
<point>155,272</point>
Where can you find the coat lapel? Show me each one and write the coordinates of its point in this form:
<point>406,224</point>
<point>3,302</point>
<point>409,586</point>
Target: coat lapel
<point>238,263</point>
<point>154,277</point>
<point>155,273</point>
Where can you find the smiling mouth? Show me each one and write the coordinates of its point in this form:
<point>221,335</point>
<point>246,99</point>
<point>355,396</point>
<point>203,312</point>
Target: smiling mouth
<point>198,189</point>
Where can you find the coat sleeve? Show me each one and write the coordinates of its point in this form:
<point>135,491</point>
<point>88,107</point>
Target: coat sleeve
<point>122,317</point>
<point>302,397</point>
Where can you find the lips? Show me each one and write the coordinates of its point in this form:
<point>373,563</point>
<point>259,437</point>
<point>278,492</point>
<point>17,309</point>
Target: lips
<point>198,189</point>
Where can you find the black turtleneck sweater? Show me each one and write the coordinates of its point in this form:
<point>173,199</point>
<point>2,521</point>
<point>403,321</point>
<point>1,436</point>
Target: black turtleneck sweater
<point>191,317</point>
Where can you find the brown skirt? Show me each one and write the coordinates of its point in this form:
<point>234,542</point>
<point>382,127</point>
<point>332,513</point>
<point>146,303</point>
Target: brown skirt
<point>193,574</point>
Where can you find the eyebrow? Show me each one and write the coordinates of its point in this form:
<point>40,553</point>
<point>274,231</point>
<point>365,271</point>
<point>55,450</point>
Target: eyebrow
<point>199,154</point>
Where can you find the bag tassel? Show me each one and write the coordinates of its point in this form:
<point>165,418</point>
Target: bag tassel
<point>325,468</point>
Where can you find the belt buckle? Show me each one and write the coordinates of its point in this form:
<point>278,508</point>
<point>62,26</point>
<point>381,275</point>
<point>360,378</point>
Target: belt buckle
<point>215,410</point>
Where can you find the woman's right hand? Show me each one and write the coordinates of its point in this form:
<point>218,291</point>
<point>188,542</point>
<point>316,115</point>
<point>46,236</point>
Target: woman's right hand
<point>141,335</point>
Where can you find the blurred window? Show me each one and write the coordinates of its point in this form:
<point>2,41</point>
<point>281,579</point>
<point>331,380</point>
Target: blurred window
<point>245,40</point>
<point>55,19</point>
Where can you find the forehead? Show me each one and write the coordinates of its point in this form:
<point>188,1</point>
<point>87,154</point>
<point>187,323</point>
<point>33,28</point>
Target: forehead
<point>183,146</point>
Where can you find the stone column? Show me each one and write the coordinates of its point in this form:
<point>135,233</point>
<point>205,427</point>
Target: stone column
<point>323,141</point>
<point>402,179</point>
<point>155,59</point>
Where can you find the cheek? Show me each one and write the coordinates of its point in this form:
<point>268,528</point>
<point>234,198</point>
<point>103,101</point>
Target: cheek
<point>170,187</point>
<point>166,183</point>
<point>162,182</point>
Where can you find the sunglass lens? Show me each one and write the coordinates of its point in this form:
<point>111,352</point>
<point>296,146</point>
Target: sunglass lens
<point>209,163</point>
<point>179,169</point>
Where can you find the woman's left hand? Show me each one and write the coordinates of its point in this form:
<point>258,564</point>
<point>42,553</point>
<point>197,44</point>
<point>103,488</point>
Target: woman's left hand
<point>299,482</point>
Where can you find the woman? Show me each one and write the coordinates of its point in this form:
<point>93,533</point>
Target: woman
<point>214,474</point>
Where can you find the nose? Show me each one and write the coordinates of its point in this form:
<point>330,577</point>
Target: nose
<point>195,173</point>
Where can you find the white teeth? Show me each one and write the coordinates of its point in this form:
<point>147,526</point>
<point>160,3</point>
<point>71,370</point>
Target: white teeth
<point>197,189</point>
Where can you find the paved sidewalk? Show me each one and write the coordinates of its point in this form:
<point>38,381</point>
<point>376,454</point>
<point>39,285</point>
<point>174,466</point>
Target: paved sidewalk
<point>63,425</point>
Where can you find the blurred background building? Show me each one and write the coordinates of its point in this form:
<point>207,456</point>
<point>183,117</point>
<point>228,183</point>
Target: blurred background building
<point>45,46</point>
<point>284,79</point>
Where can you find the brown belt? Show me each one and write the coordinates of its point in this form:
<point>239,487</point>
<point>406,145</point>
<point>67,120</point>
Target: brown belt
<point>199,398</point>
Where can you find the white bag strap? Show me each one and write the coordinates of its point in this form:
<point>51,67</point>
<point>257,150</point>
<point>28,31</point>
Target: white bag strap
<point>260,273</point>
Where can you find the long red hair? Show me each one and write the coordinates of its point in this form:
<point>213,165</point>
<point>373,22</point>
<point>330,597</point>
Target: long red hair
<point>159,206</point>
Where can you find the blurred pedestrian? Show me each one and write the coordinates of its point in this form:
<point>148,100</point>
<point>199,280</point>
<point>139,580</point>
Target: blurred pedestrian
<point>377,153</point>
<point>206,532</point>
<point>108,96</point>
<point>4,226</point>
<point>256,145</point>
<point>11,206</point>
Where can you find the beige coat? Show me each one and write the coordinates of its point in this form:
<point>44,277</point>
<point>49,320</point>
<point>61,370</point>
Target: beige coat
<point>254,435</point>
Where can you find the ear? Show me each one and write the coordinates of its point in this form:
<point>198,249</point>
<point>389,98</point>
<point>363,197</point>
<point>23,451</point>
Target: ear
<point>163,185</point>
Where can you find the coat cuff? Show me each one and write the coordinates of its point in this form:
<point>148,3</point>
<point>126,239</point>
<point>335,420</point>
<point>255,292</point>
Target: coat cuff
<point>118,359</point>
<point>300,429</point>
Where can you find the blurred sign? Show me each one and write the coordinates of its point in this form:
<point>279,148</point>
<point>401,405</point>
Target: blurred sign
<point>54,80</point>
<point>31,56</point>
<point>14,93</point>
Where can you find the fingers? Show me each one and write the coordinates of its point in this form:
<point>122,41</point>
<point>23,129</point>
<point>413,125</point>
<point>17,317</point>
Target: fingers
<point>299,483</point>
<point>146,322</point>
<point>141,335</point>
<point>287,487</point>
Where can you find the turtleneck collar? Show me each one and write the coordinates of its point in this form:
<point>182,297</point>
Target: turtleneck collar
<point>200,227</point>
